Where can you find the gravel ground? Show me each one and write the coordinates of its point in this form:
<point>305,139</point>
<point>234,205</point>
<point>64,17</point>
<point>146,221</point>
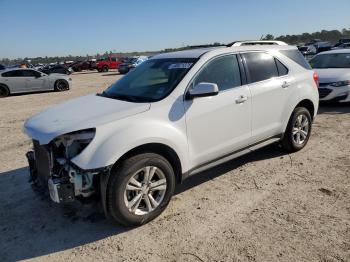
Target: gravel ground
<point>265,206</point>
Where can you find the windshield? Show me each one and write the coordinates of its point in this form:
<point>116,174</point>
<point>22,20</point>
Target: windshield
<point>151,81</point>
<point>340,60</point>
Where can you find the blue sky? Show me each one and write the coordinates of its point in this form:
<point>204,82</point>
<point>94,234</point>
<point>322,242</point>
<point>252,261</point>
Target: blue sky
<point>80,27</point>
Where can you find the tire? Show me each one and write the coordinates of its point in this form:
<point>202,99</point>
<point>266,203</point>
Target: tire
<point>4,91</point>
<point>118,197</point>
<point>105,69</point>
<point>61,85</point>
<point>299,125</point>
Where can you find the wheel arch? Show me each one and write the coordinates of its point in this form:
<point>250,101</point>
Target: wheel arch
<point>309,105</point>
<point>5,86</point>
<point>157,148</point>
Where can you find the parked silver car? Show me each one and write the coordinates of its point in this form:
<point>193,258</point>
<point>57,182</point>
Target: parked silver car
<point>17,80</point>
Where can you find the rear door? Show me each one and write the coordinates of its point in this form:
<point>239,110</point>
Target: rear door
<point>270,86</point>
<point>14,80</point>
<point>219,125</point>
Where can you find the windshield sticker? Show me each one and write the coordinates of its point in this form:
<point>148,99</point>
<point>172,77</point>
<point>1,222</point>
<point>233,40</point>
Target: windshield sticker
<point>180,66</point>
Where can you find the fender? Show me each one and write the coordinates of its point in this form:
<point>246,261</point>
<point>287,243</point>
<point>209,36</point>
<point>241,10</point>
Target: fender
<point>111,143</point>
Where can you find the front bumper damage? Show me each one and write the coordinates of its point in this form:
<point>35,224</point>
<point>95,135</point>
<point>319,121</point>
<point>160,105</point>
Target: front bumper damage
<point>57,175</point>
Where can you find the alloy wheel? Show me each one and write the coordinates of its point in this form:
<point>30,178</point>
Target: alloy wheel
<point>145,190</point>
<point>300,130</point>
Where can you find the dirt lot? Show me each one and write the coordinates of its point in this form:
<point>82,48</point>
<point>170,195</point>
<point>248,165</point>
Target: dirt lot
<point>266,206</point>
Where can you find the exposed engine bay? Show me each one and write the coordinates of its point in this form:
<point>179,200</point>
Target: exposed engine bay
<point>51,167</point>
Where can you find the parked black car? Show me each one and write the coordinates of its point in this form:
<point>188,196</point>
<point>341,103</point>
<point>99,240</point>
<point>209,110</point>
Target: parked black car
<point>2,67</point>
<point>58,69</point>
<point>82,65</point>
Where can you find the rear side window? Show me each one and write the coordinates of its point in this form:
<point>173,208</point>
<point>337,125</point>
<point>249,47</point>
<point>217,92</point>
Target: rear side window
<point>282,69</point>
<point>297,57</point>
<point>14,73</point>
<point>223,71</point>
<point>261,66</point>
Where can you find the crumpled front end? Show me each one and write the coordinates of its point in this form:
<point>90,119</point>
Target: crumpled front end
<point>51,167</point>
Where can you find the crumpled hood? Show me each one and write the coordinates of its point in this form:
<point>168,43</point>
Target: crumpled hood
<point>81,113</point>
<point>330,75</point>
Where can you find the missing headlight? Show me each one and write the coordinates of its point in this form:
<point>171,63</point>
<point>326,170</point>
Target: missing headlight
<point>72,144</point>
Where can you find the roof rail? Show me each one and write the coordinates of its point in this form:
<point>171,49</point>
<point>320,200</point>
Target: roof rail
<point>256,42</point>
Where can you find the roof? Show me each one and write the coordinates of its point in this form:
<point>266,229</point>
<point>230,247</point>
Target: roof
<point>190,53</point>
<point>196,53</point>
<point>336,51</point>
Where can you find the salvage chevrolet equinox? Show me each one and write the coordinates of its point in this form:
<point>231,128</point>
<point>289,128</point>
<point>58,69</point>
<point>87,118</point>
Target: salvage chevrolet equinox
<point>171,117</point>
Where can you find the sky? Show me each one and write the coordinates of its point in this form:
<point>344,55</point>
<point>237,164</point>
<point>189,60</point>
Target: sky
<point>79,27</point>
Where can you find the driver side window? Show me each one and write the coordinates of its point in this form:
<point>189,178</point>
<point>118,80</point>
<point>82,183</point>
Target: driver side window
<point>223,71</point>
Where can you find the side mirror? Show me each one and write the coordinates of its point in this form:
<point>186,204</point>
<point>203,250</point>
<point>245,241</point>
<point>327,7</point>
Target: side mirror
<point>203,89</point>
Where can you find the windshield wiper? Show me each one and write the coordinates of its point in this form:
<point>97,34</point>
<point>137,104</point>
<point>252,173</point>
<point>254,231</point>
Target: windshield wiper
<point>128,98</point>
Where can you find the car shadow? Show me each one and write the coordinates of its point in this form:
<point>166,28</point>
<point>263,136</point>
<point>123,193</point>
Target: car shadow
<point>40,227</point>
<point>113,74</point>
<point>334,108</point>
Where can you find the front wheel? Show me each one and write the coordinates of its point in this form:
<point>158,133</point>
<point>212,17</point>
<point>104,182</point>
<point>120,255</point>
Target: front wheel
<point>140,189</point>
<point>105,69</point>
<point>298,130</point>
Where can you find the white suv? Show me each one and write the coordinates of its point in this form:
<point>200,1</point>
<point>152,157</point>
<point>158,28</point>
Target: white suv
<point>173,116</point>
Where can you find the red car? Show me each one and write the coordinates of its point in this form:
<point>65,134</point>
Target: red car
<point>106,63</point>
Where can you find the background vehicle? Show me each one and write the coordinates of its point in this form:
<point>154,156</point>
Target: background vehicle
<point>308,50</point>
<point>131,63</point>
<point>322,46</point>
<point>333,68</point>
<point>342,41</point>
<point>342,46</point>
<point>81,65</point>
<point>2,67</point>
<point>57,69</point>
<point>173,116</point>
<point>13,81</point>
<point>106,63</point>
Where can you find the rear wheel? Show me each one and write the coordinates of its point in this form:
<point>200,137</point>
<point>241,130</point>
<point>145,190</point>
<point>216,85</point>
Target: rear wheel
<point>105,69</point>
<point>61,85</point>
<point>140,189</point>
<point>298,130</point>
<point>4,91</point>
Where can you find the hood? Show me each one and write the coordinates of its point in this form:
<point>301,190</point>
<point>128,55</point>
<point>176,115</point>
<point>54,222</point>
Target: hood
<point>330,75</point>
<point>77,114</point>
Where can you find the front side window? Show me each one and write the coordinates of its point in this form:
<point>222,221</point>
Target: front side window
<point>261,66</point>
<point>335,60</point>
<point>223,71</point>
<point>30,73</point>
<point>151,81</point>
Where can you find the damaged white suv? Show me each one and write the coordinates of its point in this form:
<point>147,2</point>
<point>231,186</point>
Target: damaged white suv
<point>173,116</point>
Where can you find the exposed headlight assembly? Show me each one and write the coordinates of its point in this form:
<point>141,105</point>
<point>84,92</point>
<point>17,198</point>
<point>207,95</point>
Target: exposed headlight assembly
<point>75,142</point>
<point>341,83</point>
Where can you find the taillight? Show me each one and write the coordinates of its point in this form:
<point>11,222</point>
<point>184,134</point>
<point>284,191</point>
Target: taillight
<point>316,79</point>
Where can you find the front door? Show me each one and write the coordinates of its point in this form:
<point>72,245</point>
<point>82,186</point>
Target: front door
<point>34,80</point>
<point>221,124</point>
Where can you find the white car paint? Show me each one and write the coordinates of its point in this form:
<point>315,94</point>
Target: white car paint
<point>329,76</point>
<point>198,130</point>
<point>23,84</point>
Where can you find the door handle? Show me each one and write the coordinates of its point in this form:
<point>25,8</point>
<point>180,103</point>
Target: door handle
<point>285,84</point>
<point>241,99</point>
